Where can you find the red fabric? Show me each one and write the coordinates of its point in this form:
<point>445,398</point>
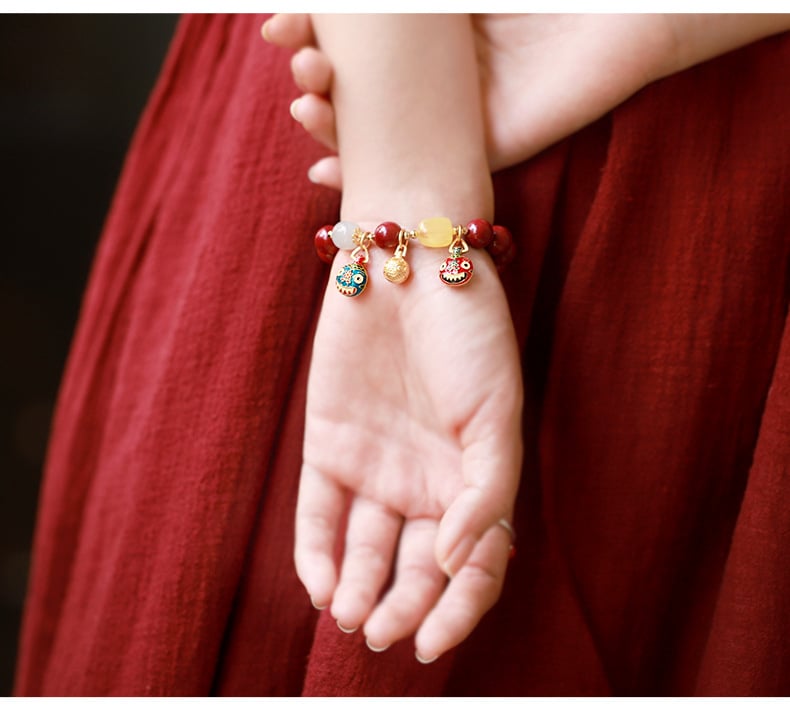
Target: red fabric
<point>650,298</point>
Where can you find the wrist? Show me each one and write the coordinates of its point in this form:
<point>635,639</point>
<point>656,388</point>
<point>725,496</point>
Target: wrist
<point>360,237</point>
<point>408,205</point>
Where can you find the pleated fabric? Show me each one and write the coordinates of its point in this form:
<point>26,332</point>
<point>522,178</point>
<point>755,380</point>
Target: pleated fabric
<point>650,301</point>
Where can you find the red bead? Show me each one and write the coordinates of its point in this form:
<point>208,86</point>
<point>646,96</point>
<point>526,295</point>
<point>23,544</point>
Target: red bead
<point>501,241</point>
<point>324,246</point>
<point>386,235</point>
<point>479,234</point>
<point>503,260</point>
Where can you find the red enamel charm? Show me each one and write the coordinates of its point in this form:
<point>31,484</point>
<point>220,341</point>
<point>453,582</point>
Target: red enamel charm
<point>456,270</point>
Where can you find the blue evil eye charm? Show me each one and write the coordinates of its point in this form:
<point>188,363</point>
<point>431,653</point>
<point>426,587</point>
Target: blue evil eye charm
<point>351,279</point>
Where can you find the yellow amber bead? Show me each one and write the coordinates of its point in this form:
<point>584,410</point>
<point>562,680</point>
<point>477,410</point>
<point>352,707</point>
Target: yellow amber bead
<point>435,232</point>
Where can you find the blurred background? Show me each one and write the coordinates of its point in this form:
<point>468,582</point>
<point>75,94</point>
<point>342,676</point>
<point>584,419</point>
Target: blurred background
<point>71,90</point>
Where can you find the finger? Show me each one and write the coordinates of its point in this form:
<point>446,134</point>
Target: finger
<point>317,117</point>
<point>470,594</point>
<point>326,172</point>
<point>312,70</point>
<point>371,536</point>
<point>289,30</point>
<point>491,471</point>
<point>319,511</point>
<point>418,584</point>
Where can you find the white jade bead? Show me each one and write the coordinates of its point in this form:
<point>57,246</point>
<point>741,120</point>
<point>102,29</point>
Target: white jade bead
<point>342,235</point>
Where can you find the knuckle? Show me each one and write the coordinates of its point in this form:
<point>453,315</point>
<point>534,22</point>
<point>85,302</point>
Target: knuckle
<point>351,593</point>
<point>482,576</point>
<point>367,555</point>
<point>403,607</point>
<point>410,597</point>
<point>317,522</point>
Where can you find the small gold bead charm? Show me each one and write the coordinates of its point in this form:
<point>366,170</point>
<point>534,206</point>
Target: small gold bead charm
<point>396,269</point>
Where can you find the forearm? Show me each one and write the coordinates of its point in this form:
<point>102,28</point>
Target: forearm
<point>696,38</point>
<point>409,121</point>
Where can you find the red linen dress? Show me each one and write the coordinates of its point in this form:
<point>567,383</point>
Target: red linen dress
<point>650,299</point>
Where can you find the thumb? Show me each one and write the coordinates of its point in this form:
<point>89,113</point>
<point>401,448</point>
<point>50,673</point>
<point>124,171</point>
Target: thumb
<point>491,471</point>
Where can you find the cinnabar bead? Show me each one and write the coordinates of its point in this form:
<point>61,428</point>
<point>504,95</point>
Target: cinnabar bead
<point>324,246</point>
<point>501,241</point>
<point>386,235</point>
<point>503,260</point>
<point>326,256</point>
<point>479,234</point>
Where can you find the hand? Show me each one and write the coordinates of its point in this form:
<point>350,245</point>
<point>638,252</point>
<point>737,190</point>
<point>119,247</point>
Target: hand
<point>543,76</point>
<point>413,429</point>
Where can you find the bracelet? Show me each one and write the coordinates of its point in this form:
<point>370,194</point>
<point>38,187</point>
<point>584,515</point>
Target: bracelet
<point>456,270</point>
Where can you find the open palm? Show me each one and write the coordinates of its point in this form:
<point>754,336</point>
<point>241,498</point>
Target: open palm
<point>412,430</point>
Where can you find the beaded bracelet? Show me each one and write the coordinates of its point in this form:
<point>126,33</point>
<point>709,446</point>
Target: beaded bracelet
<point>456,270</point>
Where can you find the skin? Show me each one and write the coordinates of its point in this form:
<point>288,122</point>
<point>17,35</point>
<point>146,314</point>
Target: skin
<point>542,76</point>
<point>427,450</point>
<point>412,425</point>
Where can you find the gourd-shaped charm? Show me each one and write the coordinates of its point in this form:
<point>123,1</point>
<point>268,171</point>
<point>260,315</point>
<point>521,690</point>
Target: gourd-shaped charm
<point>457,269</point>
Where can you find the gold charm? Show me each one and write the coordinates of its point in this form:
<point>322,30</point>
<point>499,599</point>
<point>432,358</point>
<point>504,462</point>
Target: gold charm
<point>396,268</point>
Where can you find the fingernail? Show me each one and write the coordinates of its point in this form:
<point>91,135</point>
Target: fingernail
<point>424,661</point>
<point>320,608</point>
<point>374,648</point>
<point>292,109</point>
<point>264,31</point>
<point>345,630</point>
<point>455,560</point>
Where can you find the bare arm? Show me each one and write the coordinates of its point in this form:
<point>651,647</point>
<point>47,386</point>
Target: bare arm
<point>409,120</point>
<point>544,76</point>
<point>412,424</point>
<point>695,38</point>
